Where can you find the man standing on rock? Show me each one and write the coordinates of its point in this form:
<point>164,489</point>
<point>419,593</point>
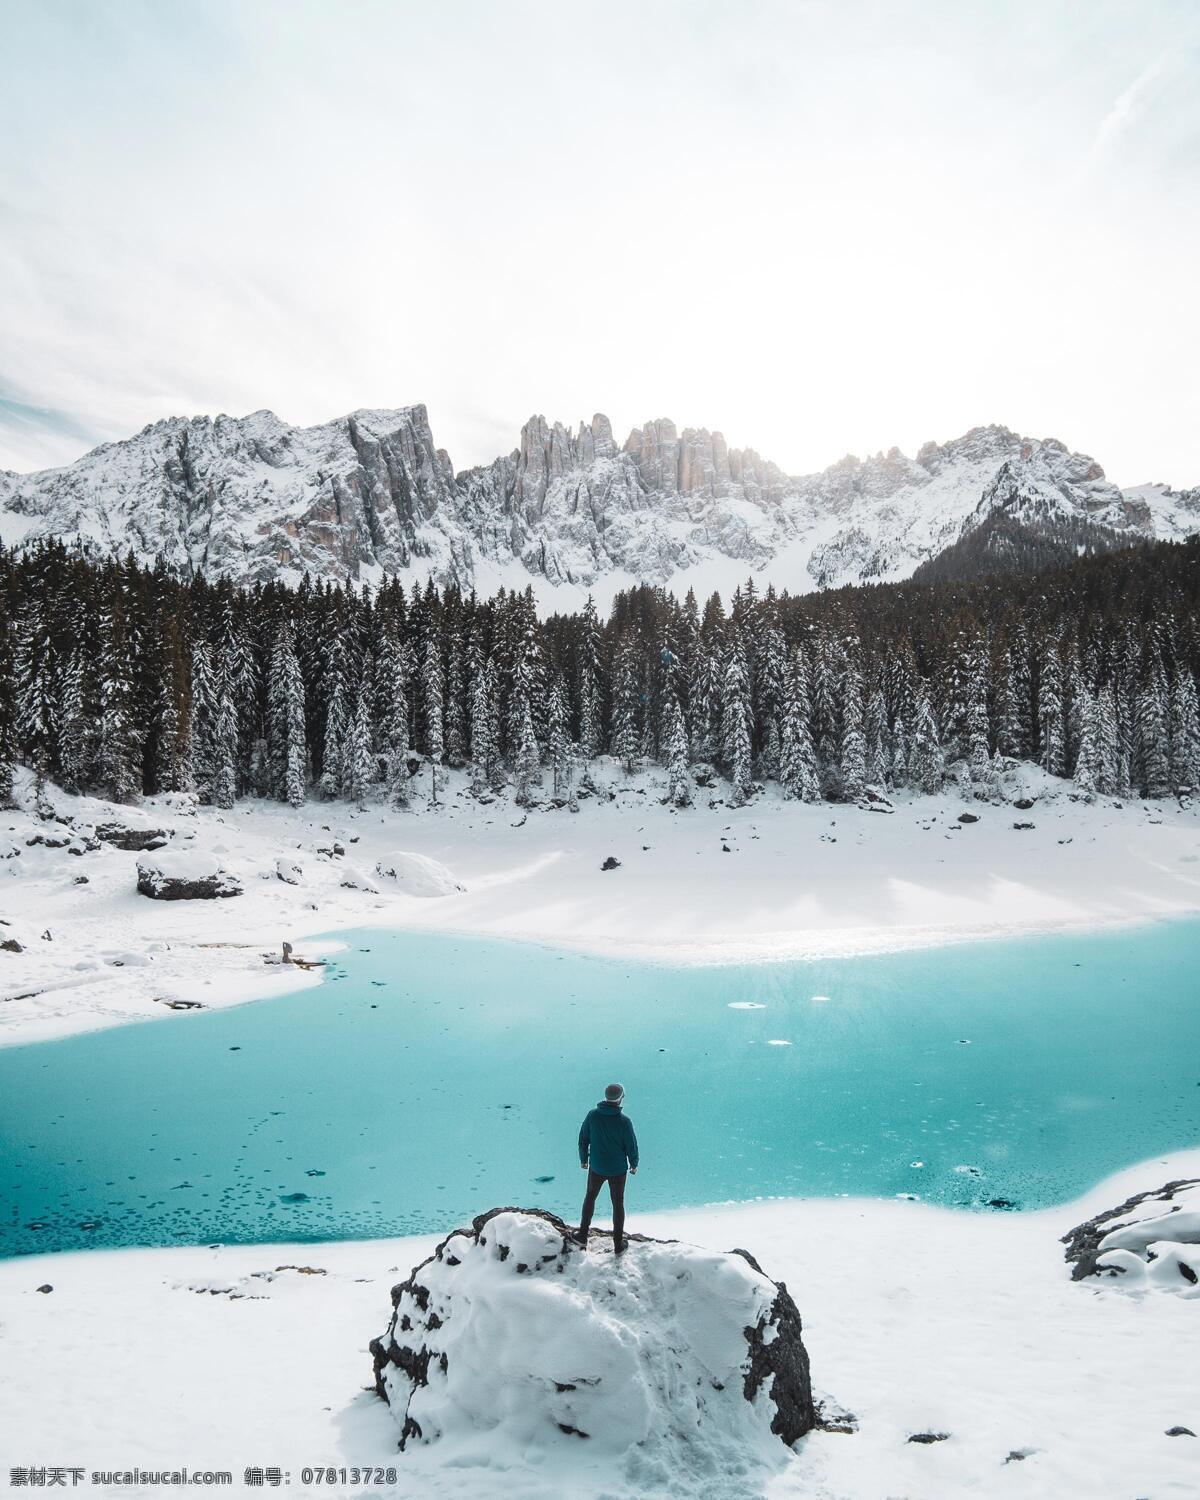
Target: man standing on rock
<point>607,1146</point>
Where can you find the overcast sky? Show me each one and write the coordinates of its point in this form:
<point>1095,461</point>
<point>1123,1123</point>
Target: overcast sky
<point>820,227</point>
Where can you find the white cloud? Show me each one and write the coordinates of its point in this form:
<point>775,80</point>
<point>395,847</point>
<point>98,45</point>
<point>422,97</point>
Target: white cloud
<point>820,228</point>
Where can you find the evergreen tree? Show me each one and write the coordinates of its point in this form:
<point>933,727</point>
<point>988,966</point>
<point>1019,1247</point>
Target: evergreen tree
<point>591,704</point>
<point>432,695</point>
<point>876,740</point>
<point>852,756</point>
<point>735,724</point>
<point>118,748</point>
<point>1052,751</point>
<point>559,738</point>
<point>679,777</point>
<point>798,761</point>
<point>926,763</point>
<point>626,713</point>
<point>1184,767</point>
<point>358,741</point>
<point>391,700</point>
<point>527,772</point>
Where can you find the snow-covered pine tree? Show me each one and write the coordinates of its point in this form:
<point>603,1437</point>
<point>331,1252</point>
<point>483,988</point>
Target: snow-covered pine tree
<point>338,700</point>
<point>456,679</point>
<point>1184,760</point>
<point>591,692</point>
<point>1051,747</point>
<point>898,769</point>
<point>118,745</point>
<point>286,729</point>
<point>359,760</point>
<point>852,752</point>
<point>391,715</point>
<point>1152,758</point>
<point>223,746</point>
<point>979,760</point>
<point>34,673</point>
<point>1010,737</point>
<point>626,706</point>
<point>200,726</point>
<point>431,693</point>
<point>1089,758</point>
<point>558,742</point>
<point>483,747</point>
<point>76,725</point>
<point>679,776</point>
<point>876,738</point>
<point>9,749</point>
<point>926,761</point>
<point>735,723</point>
<point>798,761</point>
<point>527,772</point>
<point>496,776</point>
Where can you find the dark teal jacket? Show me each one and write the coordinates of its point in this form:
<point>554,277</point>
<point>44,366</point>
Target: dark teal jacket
<point>606,1140</point>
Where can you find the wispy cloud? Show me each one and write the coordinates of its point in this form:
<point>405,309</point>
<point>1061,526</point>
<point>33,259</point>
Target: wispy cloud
<point>1128,105</point>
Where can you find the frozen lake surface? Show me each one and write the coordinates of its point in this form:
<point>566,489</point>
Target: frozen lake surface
<point>433,1077</point>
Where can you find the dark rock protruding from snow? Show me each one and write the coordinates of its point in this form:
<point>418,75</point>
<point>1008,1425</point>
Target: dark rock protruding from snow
<point>512,1333</point>
<point>184,875</point>
<point>121,836</point>
<point>1152,1239</point>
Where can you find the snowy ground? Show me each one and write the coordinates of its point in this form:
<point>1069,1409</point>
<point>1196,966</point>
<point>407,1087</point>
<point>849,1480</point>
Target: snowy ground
<point>917,1319</point>
<point>771,880</point>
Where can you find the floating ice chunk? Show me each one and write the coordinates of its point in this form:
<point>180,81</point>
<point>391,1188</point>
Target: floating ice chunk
<point>775,1042</point>
<point>745,1005</point>
<point>968,1171</point>
<point>820,999</point>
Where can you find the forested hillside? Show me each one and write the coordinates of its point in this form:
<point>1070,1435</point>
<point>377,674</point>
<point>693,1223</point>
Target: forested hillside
<point>119,679</point>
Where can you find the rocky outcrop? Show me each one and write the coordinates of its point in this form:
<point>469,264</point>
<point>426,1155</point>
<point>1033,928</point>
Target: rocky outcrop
<point>510,1329</point>
<point>255,499</point>
<point>1152,1239</point>
<point>184,875</point>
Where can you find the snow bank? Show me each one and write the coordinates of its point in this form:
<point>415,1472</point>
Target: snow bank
<point>1150,1240</point>
<point>417,874</point>
<point>184,875</point>
<point>511,1337</point>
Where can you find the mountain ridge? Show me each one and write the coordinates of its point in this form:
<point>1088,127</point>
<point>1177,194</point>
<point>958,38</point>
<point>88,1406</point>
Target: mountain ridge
<point>568,508</point>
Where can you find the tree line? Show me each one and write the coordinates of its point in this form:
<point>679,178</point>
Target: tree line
<point>120,679</point>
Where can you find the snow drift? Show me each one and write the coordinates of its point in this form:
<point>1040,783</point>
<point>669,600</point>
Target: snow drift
<point>670,1356</point>
<point>1150,1240</point>
<point>417,875</point>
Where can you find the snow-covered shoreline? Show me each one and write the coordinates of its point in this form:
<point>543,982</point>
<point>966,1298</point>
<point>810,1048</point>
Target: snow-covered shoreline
<point>917,1319</point>
<point>771,881</point>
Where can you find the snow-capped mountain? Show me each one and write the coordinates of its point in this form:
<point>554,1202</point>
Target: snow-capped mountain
<point>568,510</point>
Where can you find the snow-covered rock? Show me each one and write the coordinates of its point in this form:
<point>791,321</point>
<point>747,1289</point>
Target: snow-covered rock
<point>254,499</point>
<point>511,1338</point>
<point>184,875</point>
<point>1150,1240</point>
<point>131,836</point>
<point>417,874</point>
<point>290,871</point>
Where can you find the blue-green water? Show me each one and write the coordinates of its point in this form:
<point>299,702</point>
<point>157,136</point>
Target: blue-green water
<point>430,1078</point>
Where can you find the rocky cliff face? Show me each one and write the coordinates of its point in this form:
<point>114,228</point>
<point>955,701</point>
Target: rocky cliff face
<point>254,499</point>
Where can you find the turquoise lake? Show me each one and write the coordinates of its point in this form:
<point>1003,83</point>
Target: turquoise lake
<point>431,1077</point>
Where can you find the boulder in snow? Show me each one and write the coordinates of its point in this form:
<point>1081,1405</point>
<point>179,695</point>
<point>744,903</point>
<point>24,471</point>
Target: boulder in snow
<point>184,875</point>
<point>1150,1240</point>
<point>417,875</point>
<point>511,1335</point>
<point>289,871</point>
<point>134,839</point>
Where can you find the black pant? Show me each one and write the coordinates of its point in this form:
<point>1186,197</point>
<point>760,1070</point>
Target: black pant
<point>616,1191</point>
